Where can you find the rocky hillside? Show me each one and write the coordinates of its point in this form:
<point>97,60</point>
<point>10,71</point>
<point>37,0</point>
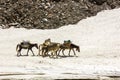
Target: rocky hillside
<point>49,14</point>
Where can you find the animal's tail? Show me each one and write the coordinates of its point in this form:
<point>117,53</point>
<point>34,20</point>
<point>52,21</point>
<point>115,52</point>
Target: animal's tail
<point>17,47</point>
<point>40,46</point>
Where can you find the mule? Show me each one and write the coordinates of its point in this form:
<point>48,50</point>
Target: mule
<point>43,46</point>
<point>25,45</point>
<point>53,48</point>
<point>42,49</point>
<point>70,46</point>
<point>47,47</point>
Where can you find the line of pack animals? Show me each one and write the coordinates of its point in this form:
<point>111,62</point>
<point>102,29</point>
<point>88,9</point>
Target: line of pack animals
<point>48,48</point>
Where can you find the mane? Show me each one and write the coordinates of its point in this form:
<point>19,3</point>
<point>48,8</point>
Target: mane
<point>74,45</point>
<point>35,44</point>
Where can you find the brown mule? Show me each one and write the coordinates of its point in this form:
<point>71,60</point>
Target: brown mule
<point>70,46</point>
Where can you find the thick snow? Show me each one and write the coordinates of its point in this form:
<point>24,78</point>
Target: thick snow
<point>98,38</point>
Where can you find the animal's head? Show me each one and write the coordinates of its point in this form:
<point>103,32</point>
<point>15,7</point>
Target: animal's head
<point>78,49</point>
<point>36,45</point>
<point>47,41</point>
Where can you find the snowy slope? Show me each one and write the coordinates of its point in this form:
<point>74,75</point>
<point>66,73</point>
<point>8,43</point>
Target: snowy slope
<point>98,38</point>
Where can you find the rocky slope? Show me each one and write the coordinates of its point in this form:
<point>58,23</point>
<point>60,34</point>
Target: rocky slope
<point>49,14</point>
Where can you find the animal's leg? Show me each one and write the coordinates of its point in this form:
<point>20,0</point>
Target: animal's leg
<point>74,52</point>
<point>63,52</point>
<point>56,54</point>
<point>17,49</point>
<point>59,52</point>
<point>19,52</point>
<point>51,54</point>
<point>44,52</point>
<point>39,51</point>
<point>69,52</point>
<point>32,52</point>
<point>27,52</point>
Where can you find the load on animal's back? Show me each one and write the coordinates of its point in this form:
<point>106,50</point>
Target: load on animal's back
<point>25,44</point>
<point>67,43</point>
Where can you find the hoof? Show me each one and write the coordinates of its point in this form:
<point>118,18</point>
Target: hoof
<point>18,56</point>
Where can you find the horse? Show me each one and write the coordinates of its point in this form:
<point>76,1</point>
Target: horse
<point>25,45</point>
<point>53,48</point>
<point>43,46</point>
<point>69,46</point>
<point>42,49</point>
<point>47,47</point>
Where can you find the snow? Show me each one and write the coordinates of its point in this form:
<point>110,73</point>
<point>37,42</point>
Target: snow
<point>98,38</point>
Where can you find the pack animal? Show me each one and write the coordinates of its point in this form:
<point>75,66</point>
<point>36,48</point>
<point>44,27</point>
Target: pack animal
<point>49,46</point>
<point>53,48</point>
<point>69,46</point>
<point>42,47</point>
<point>25,45</point>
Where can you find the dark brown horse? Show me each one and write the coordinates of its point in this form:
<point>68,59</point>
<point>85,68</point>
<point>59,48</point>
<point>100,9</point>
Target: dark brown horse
<point>70,46</point>
<point>25,45</point>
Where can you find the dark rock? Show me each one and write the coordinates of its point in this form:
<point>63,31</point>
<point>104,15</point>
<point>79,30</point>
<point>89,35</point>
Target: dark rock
<point>50,14</point>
